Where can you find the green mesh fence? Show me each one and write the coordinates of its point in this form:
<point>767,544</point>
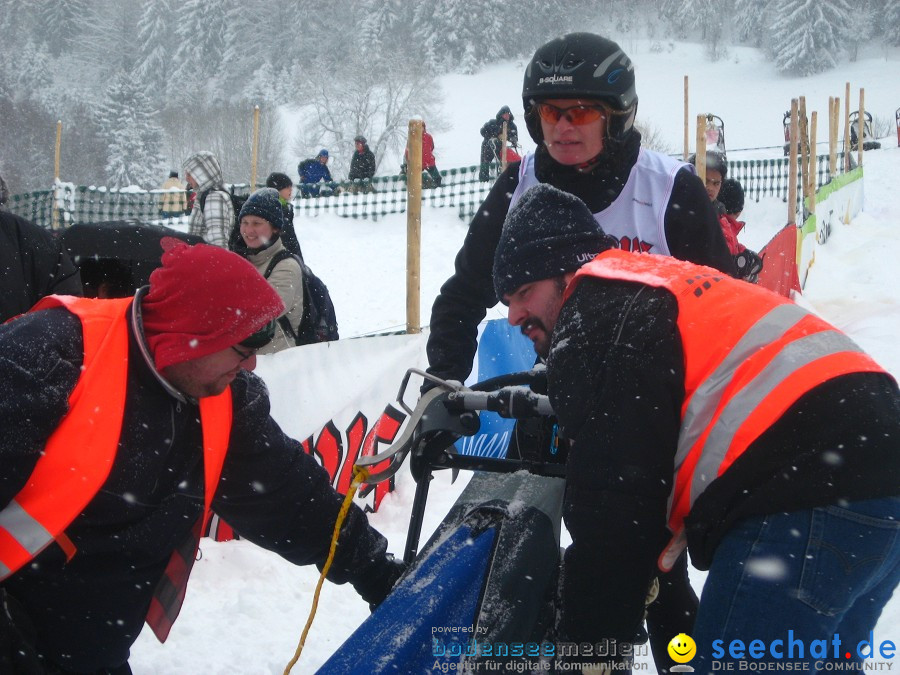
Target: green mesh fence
<point>459,189</point>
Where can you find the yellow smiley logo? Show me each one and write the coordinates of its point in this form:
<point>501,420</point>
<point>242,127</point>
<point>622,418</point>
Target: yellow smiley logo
<point>682,648</point>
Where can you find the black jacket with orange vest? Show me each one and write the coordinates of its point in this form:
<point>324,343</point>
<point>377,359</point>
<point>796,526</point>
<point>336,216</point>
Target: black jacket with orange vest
<point>617,373</point>
<point>88,611</point>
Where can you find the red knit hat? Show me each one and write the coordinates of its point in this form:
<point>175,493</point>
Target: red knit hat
<point>202,300</point>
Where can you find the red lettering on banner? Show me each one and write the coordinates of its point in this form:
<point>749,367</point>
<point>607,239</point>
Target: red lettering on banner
<point>328,449</point>
<point>384,431</point>
<point>356,432</point>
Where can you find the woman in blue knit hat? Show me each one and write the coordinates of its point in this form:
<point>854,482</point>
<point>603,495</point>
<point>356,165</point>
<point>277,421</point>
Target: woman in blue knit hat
<point>261,222</point>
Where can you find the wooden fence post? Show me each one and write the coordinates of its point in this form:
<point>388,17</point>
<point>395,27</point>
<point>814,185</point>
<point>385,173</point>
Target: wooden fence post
<point>847,127</point>
<point>254,151</point>
<point>834,108</point>
<point>687,121</point>
<point>792,166</point>
<point>413,224</point>
<point>700,159</point>
<point>54,210</point>
<point>812,173</point>
<point>860,125</point>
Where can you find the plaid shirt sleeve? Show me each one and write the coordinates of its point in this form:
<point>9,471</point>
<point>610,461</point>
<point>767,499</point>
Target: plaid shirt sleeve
<point>218,216</point>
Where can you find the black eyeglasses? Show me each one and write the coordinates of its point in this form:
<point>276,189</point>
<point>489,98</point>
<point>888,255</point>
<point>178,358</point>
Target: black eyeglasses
<point>260,338</point>
<point>244,355</point>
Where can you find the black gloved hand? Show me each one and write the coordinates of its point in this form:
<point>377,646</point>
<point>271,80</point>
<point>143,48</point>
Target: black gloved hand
<point>749,265</point>
<point>376,583</point>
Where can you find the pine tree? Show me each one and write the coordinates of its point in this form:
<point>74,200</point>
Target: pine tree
<point>59,22</point>
<point>201,28</point>
<point>33,74</point>
<point>750,21</point>
<point>890,21</point>
<point>155,47</point>
<point>128,122</point>
<point>809,35</point>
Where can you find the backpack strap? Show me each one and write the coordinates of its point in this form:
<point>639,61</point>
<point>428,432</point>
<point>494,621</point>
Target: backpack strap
<point>201,198</point>
<point>277,258</point>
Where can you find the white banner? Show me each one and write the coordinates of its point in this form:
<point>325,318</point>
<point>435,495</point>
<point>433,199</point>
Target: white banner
<point>335,398</point>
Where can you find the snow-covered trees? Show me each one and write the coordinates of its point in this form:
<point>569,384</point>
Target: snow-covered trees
<point>808,36</point>
<point>128,122</point>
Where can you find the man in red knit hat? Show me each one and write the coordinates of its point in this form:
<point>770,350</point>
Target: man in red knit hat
<point>131,420</point>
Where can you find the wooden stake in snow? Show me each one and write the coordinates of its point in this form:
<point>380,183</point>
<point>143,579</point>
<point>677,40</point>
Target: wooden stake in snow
<point>700,159</point>
<point>792,166</point>
<point>254,152</point>
<point>860,125</point>
<point>847,127</point>
<point>687,122</point>
<point>413,224</point>
<point>54,211</point>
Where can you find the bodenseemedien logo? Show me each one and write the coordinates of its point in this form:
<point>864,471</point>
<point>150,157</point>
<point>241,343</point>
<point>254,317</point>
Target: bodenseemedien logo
<point>682,649</point>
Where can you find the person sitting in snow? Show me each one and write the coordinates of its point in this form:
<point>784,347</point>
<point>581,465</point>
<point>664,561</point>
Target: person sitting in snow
<point>104,492</point>
<point>314,171</point>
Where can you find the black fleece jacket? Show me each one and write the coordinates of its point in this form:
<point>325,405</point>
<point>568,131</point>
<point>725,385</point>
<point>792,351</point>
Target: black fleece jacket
<point>89,611</point>
<point>692,231</point>
<point>616,382</point>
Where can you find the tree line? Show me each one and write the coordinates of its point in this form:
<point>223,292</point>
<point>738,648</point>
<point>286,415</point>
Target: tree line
<point>140,85</point>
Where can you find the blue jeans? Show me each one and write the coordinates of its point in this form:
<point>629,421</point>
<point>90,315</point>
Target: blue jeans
<point>817,573</point>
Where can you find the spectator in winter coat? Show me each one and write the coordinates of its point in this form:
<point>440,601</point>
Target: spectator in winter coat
<point>173,200</point>
<point>169,423</point>
<point>32,265</point>
<point>717,416</point>
<point>261,226</point>
<point>747,263</point>
<point>362,166</point>
<point>312,172</point>
<point>583,123</point>
<point>491,143</point>
<point>431,177</point>
<point>213,215</point>
<point>282,182</point>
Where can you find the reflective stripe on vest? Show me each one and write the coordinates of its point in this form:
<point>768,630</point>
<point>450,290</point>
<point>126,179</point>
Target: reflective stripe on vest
<point>81,447</point>
<point>749,355</point>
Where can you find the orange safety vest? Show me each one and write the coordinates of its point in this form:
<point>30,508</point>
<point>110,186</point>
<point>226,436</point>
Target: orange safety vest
<point>79,455</point>
<point>749,355</point>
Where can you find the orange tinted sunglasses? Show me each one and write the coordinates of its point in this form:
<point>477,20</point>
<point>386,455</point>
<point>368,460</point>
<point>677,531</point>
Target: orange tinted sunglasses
<point>577,114</point>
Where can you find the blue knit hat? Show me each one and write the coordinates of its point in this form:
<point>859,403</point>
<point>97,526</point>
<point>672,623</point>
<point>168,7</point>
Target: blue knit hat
<point>546,234</point>
<point>265,204</point>
<point>322,153</point>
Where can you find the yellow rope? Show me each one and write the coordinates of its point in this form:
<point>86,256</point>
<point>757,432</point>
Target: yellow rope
<point>359,477</point>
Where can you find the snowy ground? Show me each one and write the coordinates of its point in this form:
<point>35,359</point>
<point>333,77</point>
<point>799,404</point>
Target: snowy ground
<point>246,608</point>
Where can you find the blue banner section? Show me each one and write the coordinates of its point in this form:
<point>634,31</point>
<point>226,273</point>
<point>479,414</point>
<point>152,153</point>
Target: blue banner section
<point>436,604</point>
<point>502,349</point>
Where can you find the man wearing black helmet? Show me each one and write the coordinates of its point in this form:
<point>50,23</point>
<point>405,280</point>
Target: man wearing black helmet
<point>580,104</point>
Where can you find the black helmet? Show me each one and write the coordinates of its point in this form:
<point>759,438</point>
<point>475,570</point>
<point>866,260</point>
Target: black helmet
<point>582,65</point>
<point>715,161</point>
